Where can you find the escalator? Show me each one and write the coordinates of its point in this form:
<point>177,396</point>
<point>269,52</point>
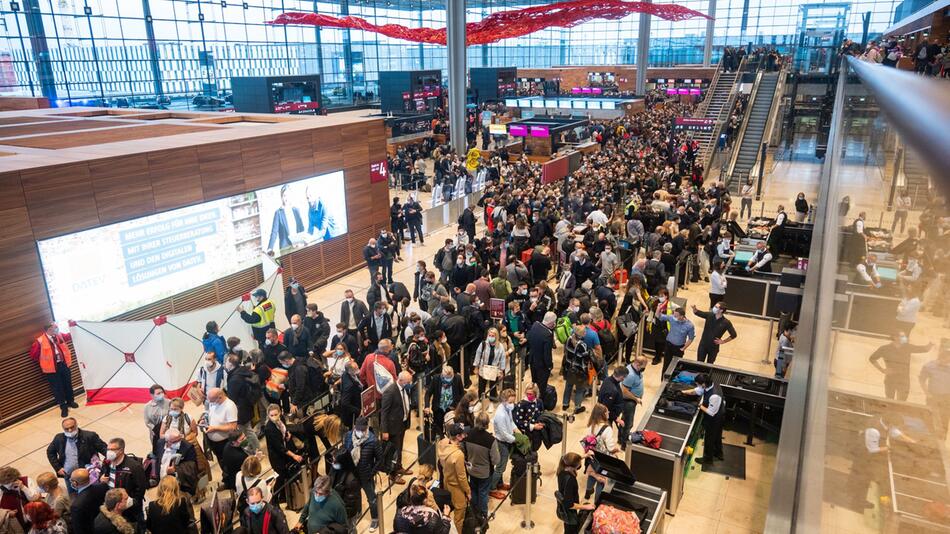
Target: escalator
<point>754,129</point>
<point>916,180</point>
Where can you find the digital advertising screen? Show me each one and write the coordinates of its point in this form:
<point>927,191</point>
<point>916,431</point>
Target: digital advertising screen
<point>518,130</point>
<point>497,129</point>
<point>608,104</point>
<point>540,131</point>
<point>102,272</point>
<point>511,102</point>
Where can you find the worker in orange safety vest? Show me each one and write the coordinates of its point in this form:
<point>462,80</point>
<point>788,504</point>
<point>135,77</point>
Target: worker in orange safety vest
<point>51,351</point>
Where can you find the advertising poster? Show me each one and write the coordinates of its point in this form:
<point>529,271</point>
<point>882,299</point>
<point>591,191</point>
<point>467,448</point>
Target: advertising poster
<point>302,213</point>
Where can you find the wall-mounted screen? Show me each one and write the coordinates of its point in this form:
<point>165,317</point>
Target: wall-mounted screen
<point>524,103</point>
<point>518,130</point>
<point>102,272</point>
<point>608,104</point>
<point>511,102</point>
<point>579,104</point>
<point>497,129</point>
<point>540,131</point>
<point>565,104</point>
<point>537,103</point>
<point>593,104</point>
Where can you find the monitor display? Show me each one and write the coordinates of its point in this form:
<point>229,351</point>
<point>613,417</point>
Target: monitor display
<point>295,97</point>
<point>682,91</point>
<point>538,103</point>
<point>596,91</point>
<point>887,273</point>
<point>497,129</point>
<point>524,102</point>
<point>562,103</point>
<point>518,130</point>
<point>511,102</point>
<point>593,104</point>
<point>106,271</point>
<point>540,131</point>
<point>576,90</point>
<point>586,90</point>
<point>608,104</point>
<point>579,104</point>
<point>695,91</point>
<point>671,91</point>
<point>742,257</point>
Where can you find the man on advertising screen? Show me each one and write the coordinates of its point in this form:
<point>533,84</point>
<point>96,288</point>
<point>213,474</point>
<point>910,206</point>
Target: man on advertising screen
<point>281,233</point>
<point>320,223</point>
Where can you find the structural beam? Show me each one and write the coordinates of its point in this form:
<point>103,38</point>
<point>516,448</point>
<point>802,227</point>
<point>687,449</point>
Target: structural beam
<point>710,31</point>
<point>455,41</point>
<point>643,53</point>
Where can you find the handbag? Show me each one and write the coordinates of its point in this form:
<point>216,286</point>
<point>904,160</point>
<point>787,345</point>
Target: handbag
<point>627,325</point>
<point>488,371</point>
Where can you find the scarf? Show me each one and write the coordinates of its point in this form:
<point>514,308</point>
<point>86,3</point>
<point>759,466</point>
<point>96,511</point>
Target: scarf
<point>358,447</point>
<point>445,399</point>
<point>117,521</point>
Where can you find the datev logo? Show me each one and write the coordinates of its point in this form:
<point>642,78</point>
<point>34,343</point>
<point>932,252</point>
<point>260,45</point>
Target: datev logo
<point>378,172</point>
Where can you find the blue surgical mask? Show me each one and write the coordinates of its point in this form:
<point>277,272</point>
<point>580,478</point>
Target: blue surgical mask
<point>446,380</point>
<point>319,498</point>
<point>256,507</point>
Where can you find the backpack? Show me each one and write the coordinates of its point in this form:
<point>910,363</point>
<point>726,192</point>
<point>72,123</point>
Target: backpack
<point>563,329</point>
<point>651,273</point>
<point>416,355</point>
<point>500,287</point>
<point>254,388</point>
<point>608,341</point>
<point>426,292</point>
<point>589,442</point>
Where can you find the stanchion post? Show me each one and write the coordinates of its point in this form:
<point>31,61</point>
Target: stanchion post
<point>640,332</point>
<point>565,416</point>
<point>527,523</point>
<point>421,395</point>
<point>768,349</point>
<point>380,506</point>
<point>519,377</point>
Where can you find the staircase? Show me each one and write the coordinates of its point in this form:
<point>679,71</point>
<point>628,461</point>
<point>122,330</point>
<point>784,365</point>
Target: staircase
<point>717,105</point>
<point>755,123</point>
<point>916,180</point>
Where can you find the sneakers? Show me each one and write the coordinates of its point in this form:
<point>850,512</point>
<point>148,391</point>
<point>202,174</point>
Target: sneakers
<point>373,525</point>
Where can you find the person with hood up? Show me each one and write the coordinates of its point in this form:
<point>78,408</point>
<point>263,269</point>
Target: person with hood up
<point>213,342</point>
<point>454,475</point>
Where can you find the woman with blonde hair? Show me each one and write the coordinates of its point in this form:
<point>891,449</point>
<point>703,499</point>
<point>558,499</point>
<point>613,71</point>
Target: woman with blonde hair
<point>604,441</point>
<point>526,414</point>
<point>250,477</point>
<point>170,511</point>
<point>491,360</point>
<point>54,494</point>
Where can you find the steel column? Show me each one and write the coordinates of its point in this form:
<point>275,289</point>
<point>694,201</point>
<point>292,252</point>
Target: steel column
<point>455,41</point>
<point>710,30</point>
<point>643,53</point>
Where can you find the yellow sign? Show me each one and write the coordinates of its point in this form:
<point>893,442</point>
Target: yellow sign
<point>474,155</point>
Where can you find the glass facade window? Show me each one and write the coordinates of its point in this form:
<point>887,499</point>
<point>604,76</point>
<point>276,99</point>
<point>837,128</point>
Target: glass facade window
<point>182,53</point>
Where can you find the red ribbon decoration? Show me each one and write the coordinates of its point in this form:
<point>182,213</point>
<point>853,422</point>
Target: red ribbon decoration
<point>504,24</point>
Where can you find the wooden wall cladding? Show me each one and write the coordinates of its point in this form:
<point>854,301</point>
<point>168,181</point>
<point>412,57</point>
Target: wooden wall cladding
<point>46,202</point>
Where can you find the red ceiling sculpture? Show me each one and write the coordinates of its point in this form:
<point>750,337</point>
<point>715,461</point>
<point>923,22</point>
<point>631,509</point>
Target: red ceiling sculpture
<point>504,24</point>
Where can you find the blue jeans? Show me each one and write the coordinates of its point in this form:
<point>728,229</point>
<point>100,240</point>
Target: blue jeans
<point>387,265</point>
<point>592,484</point>
<point>480,488</point>
<point>505,452</point>
<point>369,488</point>
<point>629,409</point>
<point>579,393</point>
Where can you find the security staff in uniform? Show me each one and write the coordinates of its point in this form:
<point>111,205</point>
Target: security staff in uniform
<point>261,317</point>
<point>870,462</point>
<point>761,260</point>
<point>51,351</point>
<point>714,410</point>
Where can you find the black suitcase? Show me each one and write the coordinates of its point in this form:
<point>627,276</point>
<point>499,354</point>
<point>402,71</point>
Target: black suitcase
<point>426,450</point>
<point>519,489</point>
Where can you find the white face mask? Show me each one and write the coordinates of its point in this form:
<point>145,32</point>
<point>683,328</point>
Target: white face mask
<point>268,342</point>
<point>359,434</point>
<point>294,326</point>
<point>210,365</point>
<point>111,455</point>
<point>129,502</point>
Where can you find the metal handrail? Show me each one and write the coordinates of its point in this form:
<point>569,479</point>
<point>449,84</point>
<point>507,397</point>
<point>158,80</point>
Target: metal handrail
<point>705,156</point>
<point>701,109</point>
<point>917,107</point>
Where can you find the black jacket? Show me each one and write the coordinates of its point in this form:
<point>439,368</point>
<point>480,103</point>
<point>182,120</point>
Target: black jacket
<point>368,255</point>
<point>349,341</point>
<point>254,523</point>
<point>611,396</point>
<point>88,444</point>
<point>359,312</point>
<point>104,525</point>
<point>240,392</point>
<point>298,341</point>
<point>277,447</point>
<point>368,329</point>
<point>434,392</point>
<point>456,330</point>
<point>350,400</point>
<point>291,307</point>
<point>131,477</point>
<point>84,508</point>
<point>392,415</point>
<point>540,345</point>
<point>176,520</point>
<point>186,470</point>
<point>298,383</point>
<point>319,329</point>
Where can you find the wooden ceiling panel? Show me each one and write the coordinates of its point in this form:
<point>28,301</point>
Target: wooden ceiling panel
<point>107,135</point>
<point>19,259</point>
<point>296,156</point>
<point>11,191</point>
<point>261,164</point>
<point>60,199</point>
<point>176,178</point>
<point>123,188</point>
<point>222,174</point>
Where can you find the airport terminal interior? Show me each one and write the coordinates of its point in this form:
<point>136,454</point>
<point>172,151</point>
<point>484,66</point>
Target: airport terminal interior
<point>474,266</point>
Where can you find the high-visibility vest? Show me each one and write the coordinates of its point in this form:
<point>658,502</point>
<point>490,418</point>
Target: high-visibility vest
<point>265,310</point>
<point>48,357</point>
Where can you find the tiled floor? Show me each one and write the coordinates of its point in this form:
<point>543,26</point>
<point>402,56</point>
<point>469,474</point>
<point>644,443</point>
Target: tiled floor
<point>712,503</point>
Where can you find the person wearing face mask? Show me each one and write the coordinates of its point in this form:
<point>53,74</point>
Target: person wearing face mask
<point>210,375</point>
<point>73,448</point>
<point>491,361</point>
<point>451,460</point>
<point>540,347</point>
<point>297,338</point>
<point>442,395</point>
<point>15,493</point>
<point>907,309</point>
<point>526,415</point>
<point>568,492</point>
<point>713,406</point>
<point>375,327</point>
<point>261,517</point>
<point>896,357</point>
<point>272,348</point>
<point>213,341</point>
<point>51,351</point>
<point>715,327</point>
<point>353,310</point>
<point>394,417</point>
<point>388,249</point>
<point>171,510</point>
<point>324,510</point>
<point>219,421</point>
<point>154,411</point>
<point>360,455</point>
<point>504,427</point>
<point>318,328</point>
<point>245,389</point>
<point>87,497</point>
<point>349,340</point>
<point>261,316</point>
<point>177,458</point>
<point>126,472</point>
<point>281,453</point>
<point>609,262</point>
<point>113,515</point>
<point>681,333</point>
<point>351,388</point>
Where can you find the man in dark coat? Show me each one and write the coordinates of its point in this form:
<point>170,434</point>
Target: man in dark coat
<point>374,327</point>
<point>373,258</point>
<point>452,384</point>
<point>467,222</point>
<point>394,417</point>
<point>540,346</point>
<point>297,338</point>
<point>184,466</point>
<point>88,444</point>
<point>261,517</point>
<point>123,471</point>
<point>86,500</point>
<point>112,514</point>
<point>318,328</point>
